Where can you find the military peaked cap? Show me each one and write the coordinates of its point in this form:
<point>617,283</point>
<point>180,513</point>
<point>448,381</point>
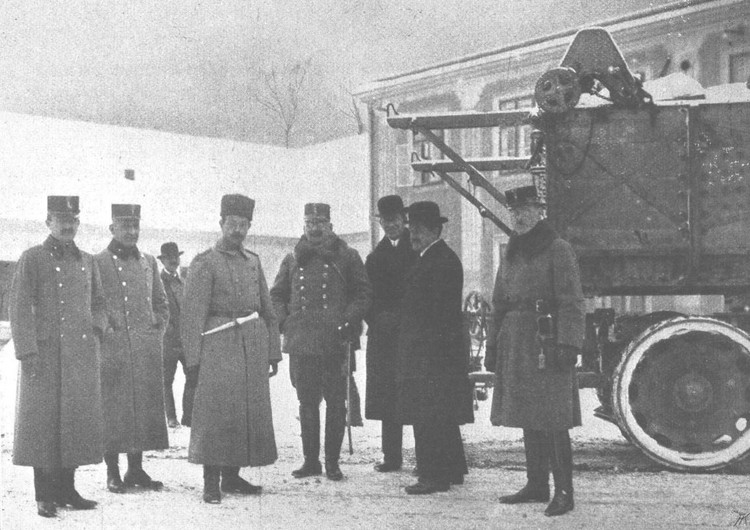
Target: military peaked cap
<point>63,204</point>
<point>318,209</point>
<point>236,204</point>
<point>126,211</point>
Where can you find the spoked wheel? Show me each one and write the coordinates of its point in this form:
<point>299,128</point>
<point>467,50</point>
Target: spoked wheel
<point>681,393</point>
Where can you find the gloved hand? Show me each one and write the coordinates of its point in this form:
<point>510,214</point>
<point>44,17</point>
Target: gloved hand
<point>566,356</point>
<point>274,368</point>
<point>33,366</point>
<point>346,332</point>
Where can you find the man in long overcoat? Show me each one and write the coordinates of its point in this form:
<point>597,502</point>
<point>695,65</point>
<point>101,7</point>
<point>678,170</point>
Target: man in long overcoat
<point>232,426</point>
<point>434,392</point>
<point>174,353</point>
<point>534,363</point>
<point>321,294</point>
<point>132,380</point>
<point>57,315</point>
<point>386,268</point>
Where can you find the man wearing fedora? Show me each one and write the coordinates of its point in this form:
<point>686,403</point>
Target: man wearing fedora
<point>386,268</point>
<point>433,389</point>
<point>173,352</point>
<point>132,365</point>
<point>57,314</point>
<point>539,281</point>
<point>232,426</point>
<point>321,294</point>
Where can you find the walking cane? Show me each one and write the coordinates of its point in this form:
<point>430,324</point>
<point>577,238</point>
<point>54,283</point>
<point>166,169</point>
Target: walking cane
<point>349,394</point>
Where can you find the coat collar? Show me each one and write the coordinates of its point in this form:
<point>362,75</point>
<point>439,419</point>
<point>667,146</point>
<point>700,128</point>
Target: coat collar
<point>123,252</point>
<point>533,242</point>
<point>59,249</point>
<point>222,247</point>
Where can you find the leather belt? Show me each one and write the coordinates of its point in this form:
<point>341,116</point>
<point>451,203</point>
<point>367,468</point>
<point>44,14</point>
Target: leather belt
<point>230,314</point>
<point>536,305</point>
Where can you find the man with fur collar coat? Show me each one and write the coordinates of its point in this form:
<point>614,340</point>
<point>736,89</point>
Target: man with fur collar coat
<point>321,288</point>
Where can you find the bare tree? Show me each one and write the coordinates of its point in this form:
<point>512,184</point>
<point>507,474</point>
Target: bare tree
<point>280,94</point>
<point>347,105</point>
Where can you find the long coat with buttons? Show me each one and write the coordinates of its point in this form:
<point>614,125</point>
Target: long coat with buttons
<point>132,366</point>
<point>311,301</point>
<point>433,349</point>
<point>56,303</point>
<point>232,423</point>
<point>386,268</point>
<point>525,396</point>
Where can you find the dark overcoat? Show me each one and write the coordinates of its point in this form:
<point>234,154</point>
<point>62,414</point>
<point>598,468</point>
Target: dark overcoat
<point>174,289</point>
<point>544,267</point>
<point>56,302</point>
<point>312,299</point>
<point>433,357</point>
<point>232,423</point>
<point>132,365</point>
<point>386,267</point>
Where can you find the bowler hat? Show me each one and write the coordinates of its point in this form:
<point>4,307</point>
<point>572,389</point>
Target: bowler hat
<point>236,204</point>
<point>169,249</point>
<point>63,204</point>
<point>390,205</point>
<point>522,196</point>
<point>126,211</point>
<point>425,213</point>
<point>318,209</point>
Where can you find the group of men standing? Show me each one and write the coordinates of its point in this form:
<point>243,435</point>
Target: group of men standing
<point>89,332</point>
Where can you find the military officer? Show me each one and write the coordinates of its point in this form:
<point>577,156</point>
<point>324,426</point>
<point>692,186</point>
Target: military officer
<point>132,380</point>
<point>386,268</point>
<point>232,425</point>
<point>57,315</point>
<point>320,288</point>
<point>173,351</point>
<point>537,291</point>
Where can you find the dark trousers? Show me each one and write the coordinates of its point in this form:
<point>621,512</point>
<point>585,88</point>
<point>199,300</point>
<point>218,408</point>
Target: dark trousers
<point>440,451</point>
<point>170,368</point>
<point>392,434</point>
<point>547,450</point>
<point>316,378</point>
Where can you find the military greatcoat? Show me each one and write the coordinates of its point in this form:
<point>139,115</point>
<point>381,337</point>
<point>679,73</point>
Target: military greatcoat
<point>56,305</point>
<point>544,267</point>
<point>232,423</point>
<point>132,366</point>
<point>433,350</point>
<point>386,267</point>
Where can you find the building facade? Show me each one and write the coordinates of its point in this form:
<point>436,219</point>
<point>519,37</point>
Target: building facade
<point>706,40</point>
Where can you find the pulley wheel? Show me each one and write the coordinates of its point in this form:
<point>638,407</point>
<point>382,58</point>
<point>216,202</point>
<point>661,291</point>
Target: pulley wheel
<point>558,90</point>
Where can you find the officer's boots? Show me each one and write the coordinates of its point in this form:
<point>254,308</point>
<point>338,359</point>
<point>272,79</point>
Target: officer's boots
<point>45,484</point>
<point>114,482</point>
<point>537,470</point>
<point>136,476</point>
<point>231,482</point>
<point>561,459</point>
<point>67,494</point>
<point>335,429</point>
<point>211,493</point>
<point>309,417</point>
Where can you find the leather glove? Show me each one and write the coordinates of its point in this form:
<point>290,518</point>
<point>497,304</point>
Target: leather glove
<point>33,366</point>
<point>274,368</point>
<point>566,356</point>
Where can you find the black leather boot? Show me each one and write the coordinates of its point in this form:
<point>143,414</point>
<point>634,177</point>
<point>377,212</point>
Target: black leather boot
<point>561,459</point>
<point>333,471</point>
<point>211,493</point>
<point>309,417</point>
<point>114,482</point>
<point>231,482</point>
<point>537,471</point>
<point>67,494</point>
<point>136,476</point>
<point>44,489</point>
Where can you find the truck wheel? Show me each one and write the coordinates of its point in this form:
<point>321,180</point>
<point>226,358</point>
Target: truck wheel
<point>681,393</point>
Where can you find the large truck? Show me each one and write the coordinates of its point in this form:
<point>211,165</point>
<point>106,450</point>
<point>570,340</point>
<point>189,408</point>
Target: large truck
<point>653,192</point>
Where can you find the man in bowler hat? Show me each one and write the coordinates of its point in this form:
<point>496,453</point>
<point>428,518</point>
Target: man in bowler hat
<point>321,294</point>
<point>173,351</point>
<point>386,266</point>
<point>433,389</point>
<point>232,426</point>
<point>57,314</point>
<point>132,365</point>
